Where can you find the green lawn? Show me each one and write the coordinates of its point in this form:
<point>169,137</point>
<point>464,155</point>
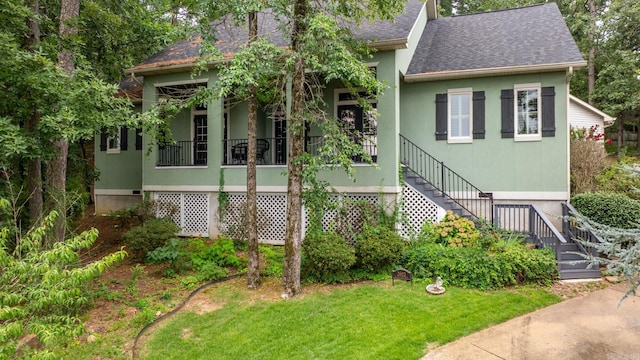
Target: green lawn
<point>373,321</point>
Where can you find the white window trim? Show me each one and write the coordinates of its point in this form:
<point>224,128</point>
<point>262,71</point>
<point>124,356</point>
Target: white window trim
<point>460,139</point>
<point>114,150</point>
<point>527,137</point>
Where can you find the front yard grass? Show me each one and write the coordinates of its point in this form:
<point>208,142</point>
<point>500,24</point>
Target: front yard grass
<point>368,321</point>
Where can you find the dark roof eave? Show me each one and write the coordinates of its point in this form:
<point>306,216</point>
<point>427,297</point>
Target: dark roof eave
<point>395,44</point>
<point>507,70</point>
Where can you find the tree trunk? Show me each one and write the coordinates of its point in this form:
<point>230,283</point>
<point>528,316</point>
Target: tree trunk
<point>57,167</point>
<point>620,135</point>
<point>293,237</point>
<point>591,66</point>
<point>34,171</point>
<point>253,271</point>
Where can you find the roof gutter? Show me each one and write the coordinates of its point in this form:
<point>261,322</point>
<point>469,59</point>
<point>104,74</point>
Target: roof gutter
<point>394,44</point>
<point>459,74</point>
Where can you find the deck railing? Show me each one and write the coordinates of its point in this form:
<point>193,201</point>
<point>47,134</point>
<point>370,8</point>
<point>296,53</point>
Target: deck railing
<point>182,153</point>
<point>571,230</point>
<point>476,202</point>
<point>530,221</point>
<point>273,151</point>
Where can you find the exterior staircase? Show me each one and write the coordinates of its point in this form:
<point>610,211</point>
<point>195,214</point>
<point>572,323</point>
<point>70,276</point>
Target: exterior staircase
<point>450,191</point>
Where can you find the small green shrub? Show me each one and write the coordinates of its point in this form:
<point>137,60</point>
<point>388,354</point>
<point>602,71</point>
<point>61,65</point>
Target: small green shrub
<point>222,252</point>
<point>149,236</point>
<point>273,260</point>
<point>378,248</point>
<point>454,230</point>
<point>617,179</point>
<point>326,257</point>
<point>611,209</point>
<point>473,267</point>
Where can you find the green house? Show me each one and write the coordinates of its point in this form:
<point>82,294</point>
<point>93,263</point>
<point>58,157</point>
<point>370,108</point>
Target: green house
<point>475,115</point>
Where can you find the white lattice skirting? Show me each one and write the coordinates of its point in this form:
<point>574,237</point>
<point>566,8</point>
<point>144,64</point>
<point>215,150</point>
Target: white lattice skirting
<point>194,213</point>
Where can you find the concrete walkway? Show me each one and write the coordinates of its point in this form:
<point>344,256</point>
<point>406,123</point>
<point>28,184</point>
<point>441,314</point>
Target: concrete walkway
<point>589,327</point>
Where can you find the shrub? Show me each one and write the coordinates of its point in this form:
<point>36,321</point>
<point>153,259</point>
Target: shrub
<point>378,248</point>
<point>454,230</point>
<point>587,161</point>
<point>611,209</point>
<point>617,179</point>
<point>326,257</point>
<point>149,236</point>
<point>222,252</point>
<point>473,267</point>
<point>273,260</point>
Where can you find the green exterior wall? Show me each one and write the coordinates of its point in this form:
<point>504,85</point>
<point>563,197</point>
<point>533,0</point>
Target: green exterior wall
<point>119,171</point>
<point>385,174</point>
<point>493,164</point>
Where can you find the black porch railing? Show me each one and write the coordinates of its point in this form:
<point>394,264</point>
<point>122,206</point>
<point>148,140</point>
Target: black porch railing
<point>269,151</point>
<point>531,222</point>
<point>273,151</point>
<point>476,202</point>
<point>182,153</point>
<point>571,230</point>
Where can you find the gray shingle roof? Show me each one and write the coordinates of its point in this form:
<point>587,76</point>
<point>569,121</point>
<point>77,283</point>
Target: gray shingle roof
<point>230,37</point>
<point>528,36</point>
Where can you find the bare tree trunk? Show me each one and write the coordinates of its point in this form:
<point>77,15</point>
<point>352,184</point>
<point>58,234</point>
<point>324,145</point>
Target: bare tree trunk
<point>57,167</point>
<point>253,271</point>
<point>34,171</point>
<point>293,237</point>
<point>620,135</point>
<point>591,66</point>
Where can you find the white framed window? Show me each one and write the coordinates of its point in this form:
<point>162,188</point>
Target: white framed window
<point>113,143</point>
<point>360,123</point>
<point>460,115</point>
<point>528,119</point>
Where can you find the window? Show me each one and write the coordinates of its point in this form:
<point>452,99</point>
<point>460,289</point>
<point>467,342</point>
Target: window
<point>527,112</point>
<point>460,116</point>
<point>113,143</point>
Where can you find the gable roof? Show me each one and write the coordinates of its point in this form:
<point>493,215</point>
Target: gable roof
<point>607,120</point>
<point>181,55</point>
<point>533,38</point>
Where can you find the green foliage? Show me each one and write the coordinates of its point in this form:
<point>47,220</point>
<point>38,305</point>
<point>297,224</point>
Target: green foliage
<point>473,267</point>
<point>611,209</point>
<point>616,178</point>
<point>378,248</point>
<point>452,230</point>
<point>43,290</point>
<point>273,258</point>
<point>326,257</point>
<point>207,260</point>
<point>149,236</point>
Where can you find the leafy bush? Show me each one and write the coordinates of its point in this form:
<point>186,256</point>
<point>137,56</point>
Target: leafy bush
<point>149,236</point>
<point>378,248</point>
<point>454,230</point>
<point>473,267</point>
<point>43,290</point>
<point>207,260</point>
<point>618,179</point>
<point>612,209</point>
<point>326,257</point>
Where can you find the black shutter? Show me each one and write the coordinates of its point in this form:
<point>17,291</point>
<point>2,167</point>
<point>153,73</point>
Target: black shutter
<point>507,113</point>
<point>441,116</point>
<point>124,138</point>
<point>103,141</point>
<point>478,115</point>
<point>548,111</point>
<point>138,139</point>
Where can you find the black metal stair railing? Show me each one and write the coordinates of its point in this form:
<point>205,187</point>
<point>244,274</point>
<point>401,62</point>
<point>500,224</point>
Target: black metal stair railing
<point>450,184</point>
<point>572,231</point>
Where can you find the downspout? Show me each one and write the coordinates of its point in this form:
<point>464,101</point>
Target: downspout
<point>568,93</point>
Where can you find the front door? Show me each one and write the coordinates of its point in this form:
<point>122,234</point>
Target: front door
<point>362,126</point>
<point>200,140</point>
<point>280,138</point>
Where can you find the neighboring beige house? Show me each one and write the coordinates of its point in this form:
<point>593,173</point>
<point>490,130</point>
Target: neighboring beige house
<point>584,116</point>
